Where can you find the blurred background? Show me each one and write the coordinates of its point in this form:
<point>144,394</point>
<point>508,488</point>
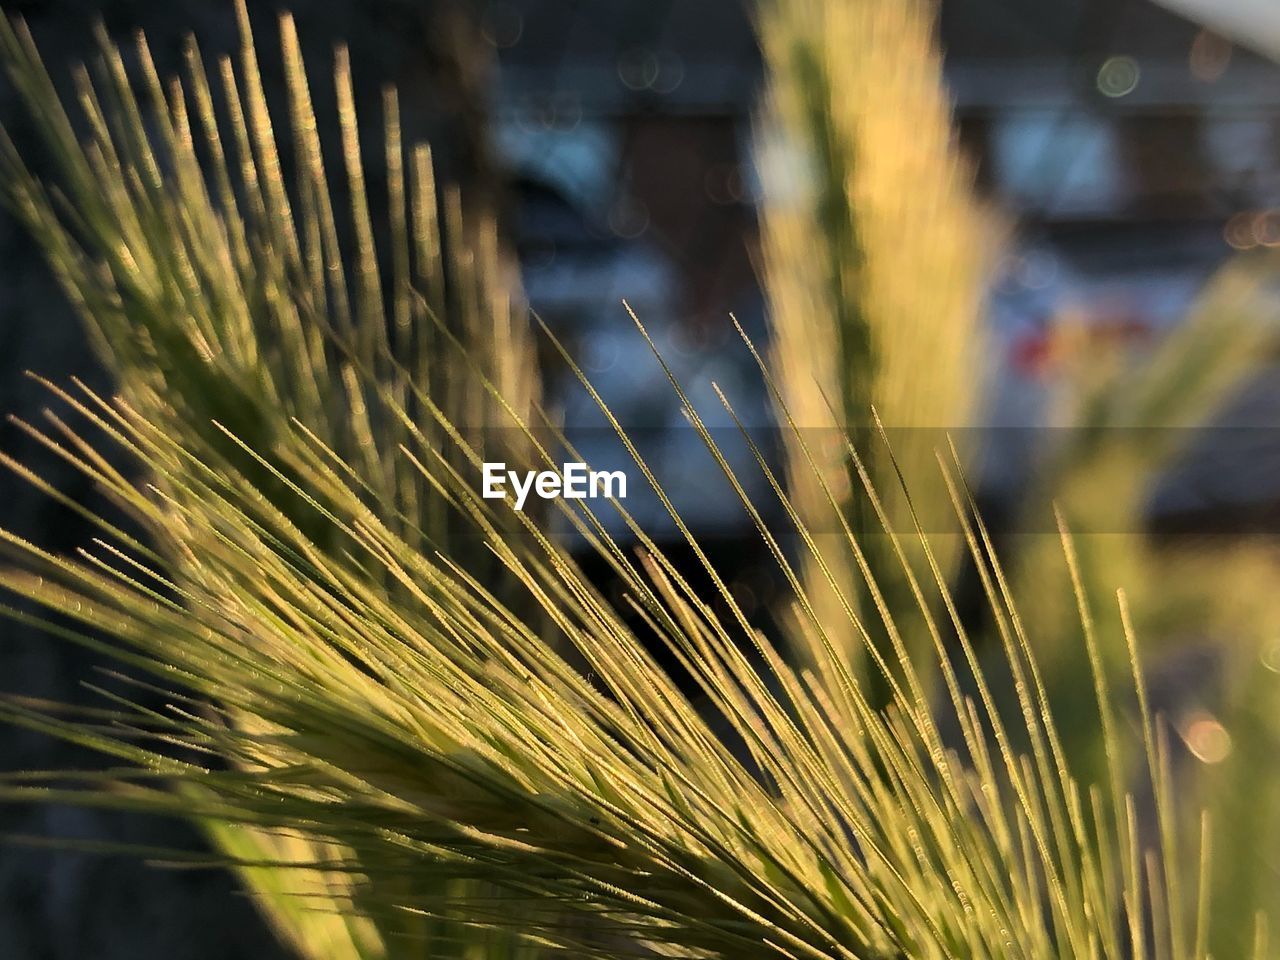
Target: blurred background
<point>1129,150</point>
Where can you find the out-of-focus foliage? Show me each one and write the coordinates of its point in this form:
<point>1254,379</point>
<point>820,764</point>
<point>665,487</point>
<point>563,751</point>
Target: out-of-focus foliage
<point>1206,607</point>
<point>1118,425</point>
<point>875,257</point>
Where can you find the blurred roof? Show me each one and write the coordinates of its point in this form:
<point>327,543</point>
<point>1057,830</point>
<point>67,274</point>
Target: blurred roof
<point>624,56</point>
<point>1023,52</point>
<point>1064,29</point>
<point>620,55</point>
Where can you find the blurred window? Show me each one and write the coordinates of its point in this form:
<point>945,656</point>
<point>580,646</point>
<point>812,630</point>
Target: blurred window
<point>1058,162</point>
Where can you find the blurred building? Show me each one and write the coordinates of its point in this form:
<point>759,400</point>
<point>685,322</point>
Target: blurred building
<point>1138,151</point>
<point>1133,150</point>
<point>1120,134</point>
